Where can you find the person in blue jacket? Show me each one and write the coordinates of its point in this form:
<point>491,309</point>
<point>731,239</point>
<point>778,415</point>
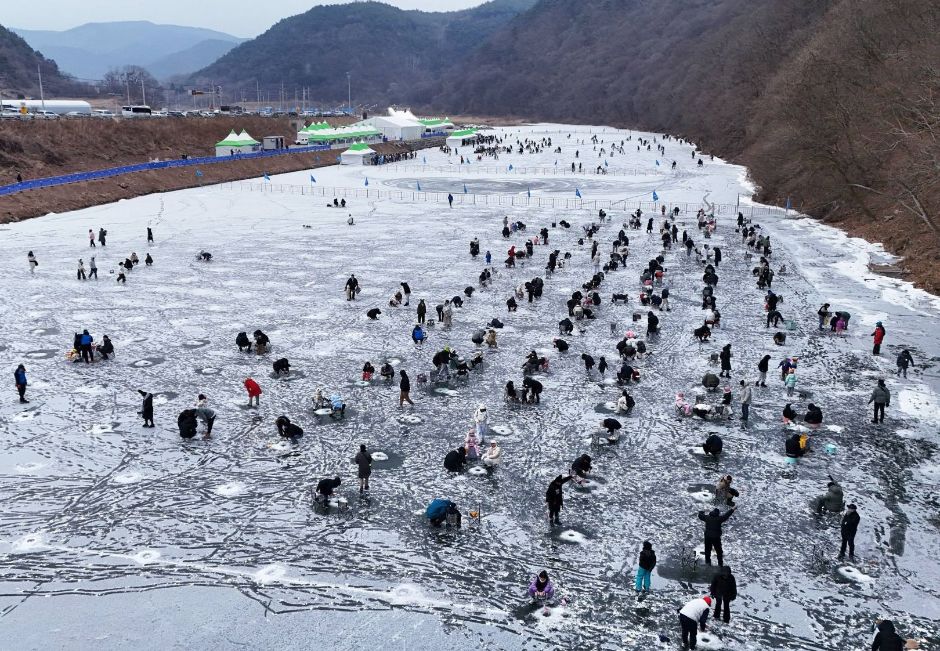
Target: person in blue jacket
<point>441,510</point>
<point>417,334</point>
<point>19,375</point>
<point>84,346</point>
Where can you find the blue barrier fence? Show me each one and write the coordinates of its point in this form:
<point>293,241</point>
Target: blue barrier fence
<point>143,167</point>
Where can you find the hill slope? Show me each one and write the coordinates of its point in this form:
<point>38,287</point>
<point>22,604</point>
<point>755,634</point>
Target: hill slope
<point>90,50</point>
<point>18,70</point>
<point>387,51</point>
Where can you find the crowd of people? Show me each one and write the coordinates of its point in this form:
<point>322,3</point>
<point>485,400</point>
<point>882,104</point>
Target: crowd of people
<point>633,348</point>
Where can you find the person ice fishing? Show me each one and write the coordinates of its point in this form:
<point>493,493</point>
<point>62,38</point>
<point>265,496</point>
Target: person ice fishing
<point>351,287</point>
<point>422,311</point>
<point>713,445</point>
<point>455,460</point>
<point>207,416</point>
<point>904,361</point>
<point>554,497</point>
<point>146,409</point>
<point>625,403</point>
<point>19,377</point>
<point>824,315</point>
<point>762,367</point>
<point>541,588</point>
<point>832,501</point>
<point>724,492</point>
<point>186,422</point>
<point>790,382</point>
<point>480,419</point>
<point>796,445</point>
<point>326,487</point>
<point>406,290</point>
<point>878,336</point>
<point>881,396</point>
<point>254,392</point>
<point>692,617</point>
<point>746,398</point>
<point>287,429</point>
<point>440,511</point>
<point>713,521</point>
<point>645,565</point>
<point>848,530</point>
<point>724,590</point>
<point>404,387</point>
<point>491,457</point>
<point>725,357</point>
<point>887,639</point>
<point>364,461</point>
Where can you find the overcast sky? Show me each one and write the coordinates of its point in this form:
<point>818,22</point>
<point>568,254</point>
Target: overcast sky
<point>239,17</point>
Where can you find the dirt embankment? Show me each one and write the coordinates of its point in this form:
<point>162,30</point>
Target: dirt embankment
<point>40,148</point>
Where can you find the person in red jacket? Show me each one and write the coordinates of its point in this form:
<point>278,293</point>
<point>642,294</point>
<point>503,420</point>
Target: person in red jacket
<point>879,336</point>
<point>254,392</point>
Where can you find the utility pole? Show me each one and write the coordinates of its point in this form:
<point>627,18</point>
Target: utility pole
<point>143,92</point>
<point>349,91</point>
<point>42,97</point>
<point>127,85</point>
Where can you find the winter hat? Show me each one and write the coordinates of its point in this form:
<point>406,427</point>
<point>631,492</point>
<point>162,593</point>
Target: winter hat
<point>707,600</point>
<point>851,507</point>
<point>878,323</point>
<point>647,544</point>
<point>727,389</point>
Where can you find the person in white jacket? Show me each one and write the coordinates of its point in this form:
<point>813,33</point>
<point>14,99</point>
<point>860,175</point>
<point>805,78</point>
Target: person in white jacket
<point>692,616</point>
<point>480,418</point>
<point>492,457</point>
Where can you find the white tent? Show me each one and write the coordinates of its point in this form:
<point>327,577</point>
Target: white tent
<point>461,138</point>
<point>235,144</point>
<point>396,127</point>
<point>358,154</point>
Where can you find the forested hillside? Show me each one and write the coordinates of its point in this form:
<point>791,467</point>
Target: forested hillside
<point>19,64</point>
<point>835,103</point>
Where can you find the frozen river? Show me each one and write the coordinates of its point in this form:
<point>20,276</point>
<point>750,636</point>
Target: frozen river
<point>114,536</point>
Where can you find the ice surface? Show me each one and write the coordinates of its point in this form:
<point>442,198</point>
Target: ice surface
<point>103,518</point>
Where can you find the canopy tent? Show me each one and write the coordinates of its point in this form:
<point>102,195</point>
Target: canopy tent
<point>236,144</point>
<point>316,126</point>
<point>358,154</point>
<point>461,138</point>
<point>339,135</point>
<point>395,126</point>
<point>437,124</point>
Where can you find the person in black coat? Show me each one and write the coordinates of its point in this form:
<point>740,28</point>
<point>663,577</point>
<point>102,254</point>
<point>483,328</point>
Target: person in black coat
<point>106,348</point>
<point>713,521</point>
<point>887,639</point>
<point>422,310</point>
<point>762,367</point>
<point>713,446</point>
<point>405,388</point>
<point>288,429</point>
<point>326,487</point>
<point>146,410</point>
<point>581,466</point>
<point>849,527</point>
<point>793,448</point>
<point>725,357</point>
<point>647,562</point>
<point>555,498</point>
<point>243,342</point>
<point>535,387</point>
<point>187,423</point>
<point>456,459</point>
<point>724,590</point>
<point>652,323</point>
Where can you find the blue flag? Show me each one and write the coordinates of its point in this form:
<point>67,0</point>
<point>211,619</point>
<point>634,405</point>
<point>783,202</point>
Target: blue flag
<point>198,174</point>
<point>419,185</point>
<point>465,188</point>
<point>605,163</point>
<point>510,167</point>
<point>556,163</point>
<point>266,177</point>
<point>577,193</point>
<point>367,181</point>
<point>789,205</point>
<point>317,157</point>
<point>425,159</point>
<point>655,196</point>
<point>312,180</point>
<point>657,162</point>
